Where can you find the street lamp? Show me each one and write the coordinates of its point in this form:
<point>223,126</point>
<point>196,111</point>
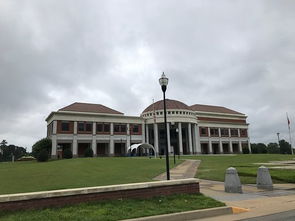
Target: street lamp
<point>164,82</point>
<point>278,139</point>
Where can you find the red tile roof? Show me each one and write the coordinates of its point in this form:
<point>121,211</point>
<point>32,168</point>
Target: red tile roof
<point>91,108</point>
<point>170,104</point>
<point>215,109</point>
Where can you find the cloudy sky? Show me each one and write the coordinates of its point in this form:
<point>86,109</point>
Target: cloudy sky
<point>237,54</point>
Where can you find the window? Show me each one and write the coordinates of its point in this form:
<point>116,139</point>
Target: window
<point>224,132</point>
<point>88,126</point>
<point>120,128</point>
<point>106,128</point>
<point>214,132</point>
<point>84,126</point>
<point>234,132</point>
<point>99,127</point>
<point>65,126</point>
<point>176,112</point>
<point>135,128</point>
<point>169,112</point>
<point>243,132</point>
<point>203,131</point>
<point>102,128</point>
<point>80,126</point>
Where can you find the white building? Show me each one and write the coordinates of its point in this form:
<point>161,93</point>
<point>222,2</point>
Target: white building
<point>196,129</point>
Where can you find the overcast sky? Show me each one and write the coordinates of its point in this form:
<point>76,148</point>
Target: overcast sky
<point>237,54</point>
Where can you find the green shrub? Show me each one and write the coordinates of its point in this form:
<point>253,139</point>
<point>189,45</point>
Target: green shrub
<point>88,152</point>
<point>42,156</point>
<point>245,150</point>
<point>67,153</point>
<point>43,144</point>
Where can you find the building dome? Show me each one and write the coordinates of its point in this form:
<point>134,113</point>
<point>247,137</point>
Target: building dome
<point>170,104</point>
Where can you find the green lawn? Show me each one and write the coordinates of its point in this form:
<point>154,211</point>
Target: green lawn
<point>213,167</point>
<point>83,172</point>
<point>117,209</point>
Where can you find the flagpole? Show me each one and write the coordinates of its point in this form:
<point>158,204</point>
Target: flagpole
<point>289,133</point>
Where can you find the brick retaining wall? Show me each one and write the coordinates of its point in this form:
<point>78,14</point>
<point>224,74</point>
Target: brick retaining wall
<point>61,198</point>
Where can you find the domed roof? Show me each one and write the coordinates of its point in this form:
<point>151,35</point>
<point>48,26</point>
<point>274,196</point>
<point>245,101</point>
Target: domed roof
<point>170,104</point>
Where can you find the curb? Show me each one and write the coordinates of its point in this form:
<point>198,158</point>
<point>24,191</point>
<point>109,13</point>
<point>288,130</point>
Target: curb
<point>188,215</point>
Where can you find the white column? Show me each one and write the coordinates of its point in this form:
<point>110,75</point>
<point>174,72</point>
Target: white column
<point>220,146</point>
<point>128,129</point>
<point>75,146</point>
<point>249,146</point>
<point>128,142</point>
<point>210,146</point>
<point>147,134</point>
<point>239,134</point>
<point>156,138</point>
<point>240,147</point>
<point>53,146</point>
<point>197,139</point>
<point>54,129</point>
<point>93,145</point>
<point>168,138</point>
<point>209,133</point>
<point>94,128</point>
<point>180,139</point>
<point>75,127</point>
<point>143,132</point>
<point>190,145</point>
<point>230,146</point>
<point>112,145</point>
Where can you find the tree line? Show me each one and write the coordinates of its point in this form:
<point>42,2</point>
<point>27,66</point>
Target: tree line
<point>273,148</point>
<point>10,152</point>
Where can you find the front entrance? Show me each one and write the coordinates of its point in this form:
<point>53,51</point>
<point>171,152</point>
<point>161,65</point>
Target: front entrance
<point>82,147</point>
<point>236,148</point>
<point>61,149</point>
<point>102,149</point>
<point>120,149</point>
<point>225,147</point>
<point>204,148</point>
<point>215,148</point>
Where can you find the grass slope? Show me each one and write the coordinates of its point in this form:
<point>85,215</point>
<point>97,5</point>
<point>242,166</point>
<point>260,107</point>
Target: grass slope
<point>213,167</point>
<point>117,209</point>
<point>83,172</point>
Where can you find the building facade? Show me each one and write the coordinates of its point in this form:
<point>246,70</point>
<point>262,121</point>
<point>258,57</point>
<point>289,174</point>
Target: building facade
<point>196,129</point>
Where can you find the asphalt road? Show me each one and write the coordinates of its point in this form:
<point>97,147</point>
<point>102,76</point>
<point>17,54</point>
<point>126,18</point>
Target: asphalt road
<point>284,216</point>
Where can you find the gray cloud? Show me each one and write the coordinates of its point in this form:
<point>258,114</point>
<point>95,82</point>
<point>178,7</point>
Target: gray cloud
<point>238,54</point>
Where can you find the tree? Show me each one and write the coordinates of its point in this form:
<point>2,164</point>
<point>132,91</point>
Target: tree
<point>42,156</point>
<point>88,152</point>
<point>43,144</point>
<point>3,144</point>
<point>273,148</point>
<point>7,151</point>
<point>258,148</point>
<point>285,147</point>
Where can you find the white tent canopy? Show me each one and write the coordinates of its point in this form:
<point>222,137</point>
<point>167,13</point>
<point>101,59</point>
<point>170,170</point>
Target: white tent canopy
<point>141,145</point>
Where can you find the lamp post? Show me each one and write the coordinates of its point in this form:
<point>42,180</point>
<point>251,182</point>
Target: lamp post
<point>278,134</point>
<point>164,82</point>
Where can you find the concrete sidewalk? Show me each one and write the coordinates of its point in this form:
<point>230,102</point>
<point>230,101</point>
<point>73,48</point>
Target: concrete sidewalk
<point>185,170</point>
<point>257,202</point>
